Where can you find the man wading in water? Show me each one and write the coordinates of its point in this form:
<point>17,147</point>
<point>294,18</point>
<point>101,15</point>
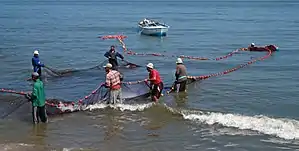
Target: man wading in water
<point>181,76</point>
<point>37,65</point>
<point>113,82</point>
<point>112,57</point>
<point>38,99</point>
<point>156,83</point>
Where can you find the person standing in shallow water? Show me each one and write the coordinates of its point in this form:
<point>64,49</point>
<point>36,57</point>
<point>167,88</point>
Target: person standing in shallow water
<point>113,82</point>
<point>112,57</point>
<point>37,65</point>
<point>181,76</point>
<point>156,83</point>
<point>38,100</point>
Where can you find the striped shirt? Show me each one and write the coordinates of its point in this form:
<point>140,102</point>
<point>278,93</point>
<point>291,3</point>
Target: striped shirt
<point>113,80</point>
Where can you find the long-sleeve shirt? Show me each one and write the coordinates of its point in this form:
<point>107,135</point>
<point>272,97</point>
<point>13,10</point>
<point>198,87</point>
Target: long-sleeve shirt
<point>38,94</point>
<point>181,73</point>
<point>113,55</point>
<point>36,64</point>
<point>113,80</point>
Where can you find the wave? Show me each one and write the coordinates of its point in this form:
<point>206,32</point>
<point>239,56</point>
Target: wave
<point>279,127</point>
<point>121,107</point>
<point>284,128</point>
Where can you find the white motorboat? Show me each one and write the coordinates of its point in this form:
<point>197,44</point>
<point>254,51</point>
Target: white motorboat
<point>153,28</point>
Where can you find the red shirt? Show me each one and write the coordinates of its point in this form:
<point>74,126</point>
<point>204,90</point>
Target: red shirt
<point>154,74</point>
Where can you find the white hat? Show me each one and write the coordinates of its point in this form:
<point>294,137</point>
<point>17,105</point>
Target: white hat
<point>252,44</point>
<point>108,65</point>
<point>35,52</point>
<point>150,65</point>
<point>179,60</point>
<point>35,74</point>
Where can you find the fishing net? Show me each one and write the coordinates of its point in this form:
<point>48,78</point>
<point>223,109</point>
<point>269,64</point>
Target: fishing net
<point>51,72</point>
<point>129,92</point>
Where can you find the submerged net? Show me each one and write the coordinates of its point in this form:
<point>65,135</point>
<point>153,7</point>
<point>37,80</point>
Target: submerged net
<point>129,92</point>
<point>51,72</point>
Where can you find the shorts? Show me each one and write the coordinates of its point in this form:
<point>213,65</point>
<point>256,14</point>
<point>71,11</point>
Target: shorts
<point>157,90</point>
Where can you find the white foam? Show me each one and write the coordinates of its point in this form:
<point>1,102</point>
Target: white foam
<point>283,128</point>
<point>96,106</point>
<point>121,107</point>
<point>135,107</point>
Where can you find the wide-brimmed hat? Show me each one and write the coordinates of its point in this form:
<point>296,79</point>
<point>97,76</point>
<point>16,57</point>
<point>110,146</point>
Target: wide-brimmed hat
<point>150,65</point>
<point>108,65</point>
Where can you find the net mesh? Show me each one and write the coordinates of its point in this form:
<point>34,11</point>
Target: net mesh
<point>51,72</point>
<point>129,92</point>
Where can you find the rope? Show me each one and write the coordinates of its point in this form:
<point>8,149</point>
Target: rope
<point>232,69</point>
<point>50,103</point>
<point>12,91</point>
<point>120,37</point>
<point>130,52</point>
<point>204,77</point>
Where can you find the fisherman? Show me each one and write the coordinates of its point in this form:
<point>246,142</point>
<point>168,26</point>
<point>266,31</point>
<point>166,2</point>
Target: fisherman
<point>156,83</point>
<point>112,57</point>
<point>181,76</point>
<point>252,47</point>
<point>38,99</point>
<point>37,65</point>
<point>113,82</point>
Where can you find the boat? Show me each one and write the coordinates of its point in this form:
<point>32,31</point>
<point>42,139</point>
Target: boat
<point>152,28</point>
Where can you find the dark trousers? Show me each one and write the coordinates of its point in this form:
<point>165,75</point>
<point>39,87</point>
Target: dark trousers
<point>39,71</point>
<point>39,114</point>
<point>114,64</point>
<point>180,86</point>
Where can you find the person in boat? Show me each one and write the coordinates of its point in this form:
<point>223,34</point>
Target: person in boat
<point>113,82</point>
<point>181,76</point>
<point>145,21</point>
<point>156,83</point>
<point>37,65</point>
<point>112,57</point>
<point>38,100</point>
<point>252,47</point>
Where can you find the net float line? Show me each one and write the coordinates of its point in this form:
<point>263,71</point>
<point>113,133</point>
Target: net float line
<point>120,39</point>
<point>204,77</point>
<point>57,104</point>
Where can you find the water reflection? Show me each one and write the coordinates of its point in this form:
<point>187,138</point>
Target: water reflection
<point>39,134</point>
<point>112,125</point>
<point>181,99</point>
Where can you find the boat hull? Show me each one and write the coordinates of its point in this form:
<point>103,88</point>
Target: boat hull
<point>154,31</point>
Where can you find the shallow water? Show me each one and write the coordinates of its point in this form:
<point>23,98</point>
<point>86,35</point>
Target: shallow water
<point>254,108</point>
